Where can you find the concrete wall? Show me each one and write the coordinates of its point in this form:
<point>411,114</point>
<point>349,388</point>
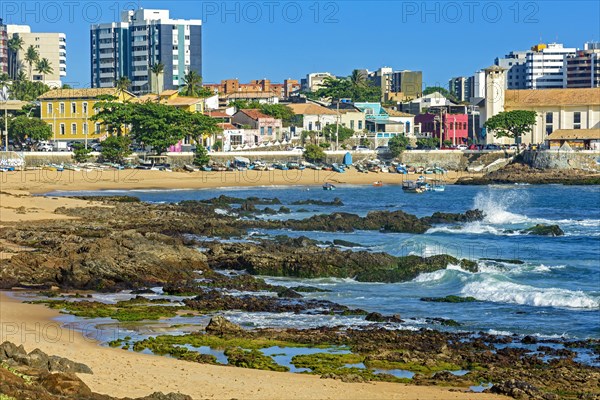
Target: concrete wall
<point>556,159</point>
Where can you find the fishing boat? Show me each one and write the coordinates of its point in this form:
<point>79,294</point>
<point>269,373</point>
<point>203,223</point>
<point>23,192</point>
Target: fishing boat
<point>413,187</point>
<point>206,168</point>
<point>280,166</point>
<point>328,186</point>
<point>378,184</point>
<point>338,168</point>
<point>436,185</point>
<point>190,168</point>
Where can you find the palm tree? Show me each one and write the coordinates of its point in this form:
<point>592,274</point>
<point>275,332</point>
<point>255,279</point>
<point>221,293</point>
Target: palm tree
<point>358,78</point>
<point>15,44</point>
<point>122,84</point>
<point>21,76</point>
<point>44,67</point>
<point>157,71</point>
<point>192,84</point>
<point>32,56</point>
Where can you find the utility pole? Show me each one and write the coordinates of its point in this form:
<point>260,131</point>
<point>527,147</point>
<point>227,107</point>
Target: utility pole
<point>441,127</point>
<point>5,99</point>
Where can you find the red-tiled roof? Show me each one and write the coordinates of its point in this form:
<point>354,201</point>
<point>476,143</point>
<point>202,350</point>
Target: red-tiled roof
<point>217,114</point>
<point>227,126</point>
<point>254,114</point>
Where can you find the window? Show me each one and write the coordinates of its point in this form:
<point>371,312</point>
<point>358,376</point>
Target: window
<point>549,117</point>
<point>73,108</point>
<point>360,125</point>
<point>352,124</point>
<point>73,129</point>
<point>262,131</point>
<point>50,109</point>
<point>62,108</point>
<point>577,120</point>
<point>85,128</point>
<point>85,108</point>
<point>270,130</point>
<point>62,129</point>
<point>407,129</point>
<point>97,129</point>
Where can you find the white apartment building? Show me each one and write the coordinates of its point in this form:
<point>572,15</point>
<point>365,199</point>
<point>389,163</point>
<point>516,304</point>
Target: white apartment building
<point>314,81</point>
<point>545,66</point>
<point>52,46</point>
<point>141,40</point>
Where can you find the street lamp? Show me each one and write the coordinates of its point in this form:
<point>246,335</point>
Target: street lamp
<point>454,132</point>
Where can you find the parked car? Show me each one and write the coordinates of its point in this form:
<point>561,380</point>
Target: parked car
<point>360,148</point>
<point>513,147</point>
<point>492,147</point>
<point>382,149</point>
<point>96,147</point>
<point>475,147</point>
<point>298,149</point>
<point>462,147</point>
<point>44,146</point>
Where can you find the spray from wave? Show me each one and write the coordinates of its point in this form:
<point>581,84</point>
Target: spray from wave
<point>498,291</point>
<point>495,206</point>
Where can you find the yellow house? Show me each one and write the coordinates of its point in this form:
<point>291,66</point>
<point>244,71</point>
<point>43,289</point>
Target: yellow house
<point>172,98</point>
<point>69,112</point>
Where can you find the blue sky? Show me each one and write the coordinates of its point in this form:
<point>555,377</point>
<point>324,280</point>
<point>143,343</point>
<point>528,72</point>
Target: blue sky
<point>287,39</point>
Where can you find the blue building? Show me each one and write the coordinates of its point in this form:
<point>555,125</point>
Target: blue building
<point>142,39</point>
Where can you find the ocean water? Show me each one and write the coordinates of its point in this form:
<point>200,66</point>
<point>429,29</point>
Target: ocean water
<point>555,293</point>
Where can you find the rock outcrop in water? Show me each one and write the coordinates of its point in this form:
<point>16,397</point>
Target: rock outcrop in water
<point>310,261</point>
<point>544,230</point>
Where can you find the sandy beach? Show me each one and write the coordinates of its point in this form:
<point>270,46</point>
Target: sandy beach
<point>42,181</point>
<point>123,373</point>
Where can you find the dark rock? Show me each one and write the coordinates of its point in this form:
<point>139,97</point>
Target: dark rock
<point>450,299</point>
<point>529,340</point>
<point>544,230</point>
<point>289,293</point>
<point>220,325</point>
<point>142,291</point>
<point>65,384</point>
<point>60,364</point>
<point>36,359</point>
<point>345,243</point>
<point>336,202</point>
<point>10,350</point>
<point>516,388</point>
<point>377,317</point>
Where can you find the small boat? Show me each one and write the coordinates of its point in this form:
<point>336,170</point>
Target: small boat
<point>328,186</point>
<point>436,186</point>
<point>190,168</point>
<point>206,168</point>
<point>338,168</point>
<point>280,166</point>
<point>413,187</point>
<point>378,184</point>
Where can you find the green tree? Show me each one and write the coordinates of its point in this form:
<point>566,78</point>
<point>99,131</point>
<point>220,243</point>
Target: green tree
<point>44,67</point>
<point>158,125</point>
<point>14,44</point>
<point>345,88</point>
<point>427,142</point>
<point>279,111</point>
<point>398,144</point>
<point>115,149</point>
<point>358,79</point>
<point>122,84</point>
<point>314,153</point>
<point>80,153</point>
<point>192,86</point>
<point>32,56</point>
<point>199,126</point>
<point>343,132</point>
<point>511,124</point>
<point>26,90</point>
<point>113,114</point>
<point>21,128</point>
<point>201,156</point>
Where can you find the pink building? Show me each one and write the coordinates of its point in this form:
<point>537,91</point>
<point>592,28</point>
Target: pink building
<point>268,128</point>
<point>455,126</point>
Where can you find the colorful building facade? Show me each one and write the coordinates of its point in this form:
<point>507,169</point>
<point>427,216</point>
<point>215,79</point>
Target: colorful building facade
<point>69,112</point>
<point>455,126</point>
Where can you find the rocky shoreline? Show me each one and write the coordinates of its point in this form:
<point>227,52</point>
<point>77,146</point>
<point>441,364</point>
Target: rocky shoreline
<point>130,245</point>
<point>522,173</point>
